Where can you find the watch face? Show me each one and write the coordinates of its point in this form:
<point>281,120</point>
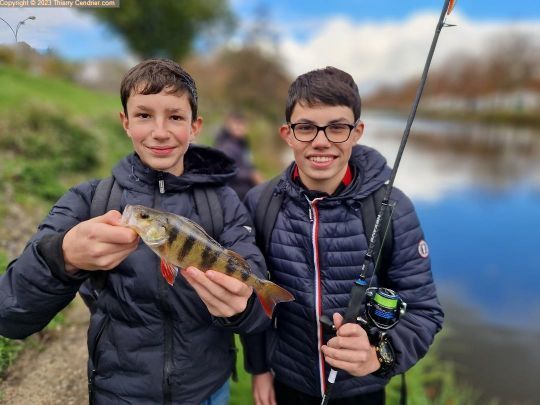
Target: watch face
<point>385,351</point>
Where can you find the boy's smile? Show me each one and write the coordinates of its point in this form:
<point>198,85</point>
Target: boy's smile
<point>161,128</point>
<point>321,163</point>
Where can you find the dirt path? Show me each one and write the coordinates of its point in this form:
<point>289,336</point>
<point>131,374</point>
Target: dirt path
<point>54,371</point>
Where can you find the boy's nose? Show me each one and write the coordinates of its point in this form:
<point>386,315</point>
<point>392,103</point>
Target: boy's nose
<point>320,139</point>
<point>160,130</point>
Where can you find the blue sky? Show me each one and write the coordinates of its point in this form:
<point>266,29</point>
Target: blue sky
<point>375,40</point>
<point>361,10</point>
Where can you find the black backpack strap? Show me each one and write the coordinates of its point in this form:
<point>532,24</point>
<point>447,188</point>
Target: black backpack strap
<point>211,216</point>
<point>98,206</point>
<point>108,196</point>
<point>209,209</point>
<point>370,207</point>
<point>266,213</point>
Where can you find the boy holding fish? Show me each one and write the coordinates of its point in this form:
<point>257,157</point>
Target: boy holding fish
<point>317,248</point>
<point>152,338</point>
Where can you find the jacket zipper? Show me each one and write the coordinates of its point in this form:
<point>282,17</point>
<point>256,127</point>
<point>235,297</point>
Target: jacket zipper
<point>166,312</point>
<point>92,374</point>
<point>314,219</point>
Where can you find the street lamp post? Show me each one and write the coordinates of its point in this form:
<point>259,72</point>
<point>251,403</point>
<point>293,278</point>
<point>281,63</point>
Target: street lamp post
<point>16,30</point>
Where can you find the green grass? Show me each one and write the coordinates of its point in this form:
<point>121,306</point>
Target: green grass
<point>241,389</point>
<point>20,88</point>
<point>53,134</point>
<point>9,349</point>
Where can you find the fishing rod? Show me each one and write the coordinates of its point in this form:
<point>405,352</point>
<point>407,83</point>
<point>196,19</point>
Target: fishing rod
<point>360,288</point>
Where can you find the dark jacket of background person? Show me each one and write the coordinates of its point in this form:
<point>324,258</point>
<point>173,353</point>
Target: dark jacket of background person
<point>238,150</point>
<point>144,337</point>
<point>342,244</point>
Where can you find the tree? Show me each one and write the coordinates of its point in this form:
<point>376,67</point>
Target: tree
<point>165,28</point>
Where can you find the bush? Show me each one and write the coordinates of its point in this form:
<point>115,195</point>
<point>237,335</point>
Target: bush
<point>47,146</point>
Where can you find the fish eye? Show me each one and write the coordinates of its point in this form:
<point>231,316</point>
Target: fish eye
<point>144,215</point>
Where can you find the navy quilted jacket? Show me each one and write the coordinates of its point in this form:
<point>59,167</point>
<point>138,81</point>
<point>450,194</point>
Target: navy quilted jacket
<point>148,343</point>
<point>316,251</point>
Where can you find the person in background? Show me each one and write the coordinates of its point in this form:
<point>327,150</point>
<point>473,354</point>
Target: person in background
<point>232,140</point>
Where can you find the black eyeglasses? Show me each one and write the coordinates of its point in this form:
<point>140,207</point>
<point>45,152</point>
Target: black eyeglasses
<point>335,133</point>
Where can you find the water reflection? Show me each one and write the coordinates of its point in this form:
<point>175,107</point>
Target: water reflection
<point>477,192</point>
<point>442,157</point>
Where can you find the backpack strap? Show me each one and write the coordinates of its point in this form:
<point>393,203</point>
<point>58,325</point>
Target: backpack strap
<point>209,209</point>
<point>266,213</point>
<point>211,216</point>
<point>108,196</point>
<point>370,207</point>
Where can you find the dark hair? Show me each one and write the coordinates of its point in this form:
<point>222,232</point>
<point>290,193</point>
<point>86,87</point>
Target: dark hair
<point>328,86</point>
<point>153,75</point>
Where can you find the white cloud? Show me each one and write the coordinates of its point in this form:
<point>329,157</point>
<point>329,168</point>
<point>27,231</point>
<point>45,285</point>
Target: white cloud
<point>389,51</point>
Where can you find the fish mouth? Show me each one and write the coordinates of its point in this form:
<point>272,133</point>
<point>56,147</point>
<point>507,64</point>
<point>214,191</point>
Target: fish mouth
<point>126,215</point>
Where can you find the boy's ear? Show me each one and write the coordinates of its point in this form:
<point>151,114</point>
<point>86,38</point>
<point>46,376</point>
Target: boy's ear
<point>358,131</point>
<point>196,127</point>
<point>125,121</point>
<point>286,134</point>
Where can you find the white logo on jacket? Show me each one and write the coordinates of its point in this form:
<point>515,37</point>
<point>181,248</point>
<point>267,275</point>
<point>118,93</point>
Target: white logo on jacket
<point>423,249</point>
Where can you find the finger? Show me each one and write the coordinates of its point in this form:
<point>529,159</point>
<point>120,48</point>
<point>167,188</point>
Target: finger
<point>351,330</point>
<point>349,343</point>
<point>342,354</point>
<point>108,233</point>
<point>219,284</point>
<point>111,217</point>
<point>231,284</point>
<point>217,299</point>
<point>338,320</point>
<point>341,364</point>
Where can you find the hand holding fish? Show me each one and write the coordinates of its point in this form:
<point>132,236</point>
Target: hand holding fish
<point>98,244</point>
<point>350,349</point>
<point>223,295</point>
<point>221,277</point>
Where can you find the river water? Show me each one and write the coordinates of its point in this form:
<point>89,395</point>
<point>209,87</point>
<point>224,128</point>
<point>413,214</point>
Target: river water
<point>477,192</point>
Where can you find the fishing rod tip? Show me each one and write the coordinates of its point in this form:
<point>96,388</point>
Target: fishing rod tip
<point>451,5</point>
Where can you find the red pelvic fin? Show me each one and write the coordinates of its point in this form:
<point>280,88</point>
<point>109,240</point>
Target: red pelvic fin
<point>168,271</point>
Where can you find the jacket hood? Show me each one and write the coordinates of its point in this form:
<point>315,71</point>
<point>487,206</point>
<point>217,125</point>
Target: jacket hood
<point>371,172</point>
<point>203,165</point>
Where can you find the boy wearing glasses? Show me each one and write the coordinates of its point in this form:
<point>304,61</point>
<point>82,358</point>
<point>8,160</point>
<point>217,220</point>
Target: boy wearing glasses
<point>316,249</point>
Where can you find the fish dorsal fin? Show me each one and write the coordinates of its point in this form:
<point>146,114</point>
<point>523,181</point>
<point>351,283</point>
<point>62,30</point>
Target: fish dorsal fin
<point>200,229</point>
<point>243,262</point>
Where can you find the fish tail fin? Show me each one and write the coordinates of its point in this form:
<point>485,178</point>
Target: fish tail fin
<point>168,271</point>
<point>271,294</point>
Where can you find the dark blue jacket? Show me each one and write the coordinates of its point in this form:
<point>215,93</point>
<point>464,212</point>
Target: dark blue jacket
<point>148,343</point>
<point>316,251</point>
<point>238,150</point>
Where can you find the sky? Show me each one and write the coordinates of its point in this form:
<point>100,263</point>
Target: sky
<point>377,41</point>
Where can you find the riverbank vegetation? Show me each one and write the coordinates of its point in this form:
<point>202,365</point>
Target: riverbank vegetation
<point>499,85</point>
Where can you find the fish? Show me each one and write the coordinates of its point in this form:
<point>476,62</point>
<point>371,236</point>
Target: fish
<point>180,243</point>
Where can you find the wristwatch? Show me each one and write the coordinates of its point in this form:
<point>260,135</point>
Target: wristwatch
<point>385,355</point>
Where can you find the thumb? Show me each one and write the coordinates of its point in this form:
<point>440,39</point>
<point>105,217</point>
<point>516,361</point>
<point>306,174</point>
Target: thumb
<point>338,320</point>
